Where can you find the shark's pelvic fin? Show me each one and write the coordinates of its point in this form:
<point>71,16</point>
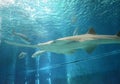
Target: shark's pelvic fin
<point>38,53</point>
<point>90,48</point>
<point>70,52</point>
<point>91,31</point>
<point>118,34</point>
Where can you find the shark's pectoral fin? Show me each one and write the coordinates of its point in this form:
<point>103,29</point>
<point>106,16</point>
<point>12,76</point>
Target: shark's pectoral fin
<point>90,48</point>
<point>38,53</point>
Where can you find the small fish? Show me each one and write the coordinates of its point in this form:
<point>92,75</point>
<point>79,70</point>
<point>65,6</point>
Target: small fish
<point>22,55</point>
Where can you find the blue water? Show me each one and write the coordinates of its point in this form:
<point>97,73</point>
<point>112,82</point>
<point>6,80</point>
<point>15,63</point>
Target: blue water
<point>44,20</point>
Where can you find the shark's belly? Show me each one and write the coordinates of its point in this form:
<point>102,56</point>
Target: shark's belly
<point>65,48</point>
<point>70,46</point>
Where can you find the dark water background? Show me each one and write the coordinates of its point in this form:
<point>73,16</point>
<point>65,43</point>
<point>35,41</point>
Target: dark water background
<point>44,20</point>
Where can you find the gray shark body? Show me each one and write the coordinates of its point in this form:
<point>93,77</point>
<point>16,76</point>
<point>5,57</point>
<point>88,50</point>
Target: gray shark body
<point>70,44</point>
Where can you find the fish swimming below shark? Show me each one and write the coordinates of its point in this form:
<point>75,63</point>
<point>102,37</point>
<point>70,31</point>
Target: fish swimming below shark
<point>70,44</point>
<point>22,55</point>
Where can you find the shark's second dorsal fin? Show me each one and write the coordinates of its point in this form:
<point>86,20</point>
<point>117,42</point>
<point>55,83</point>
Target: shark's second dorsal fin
<point>91,31</point>
<point>118,34</point>
<point>90,48</point>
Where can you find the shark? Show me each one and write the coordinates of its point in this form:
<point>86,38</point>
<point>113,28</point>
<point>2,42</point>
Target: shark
<point>68,45</point>
<point>23,37</point>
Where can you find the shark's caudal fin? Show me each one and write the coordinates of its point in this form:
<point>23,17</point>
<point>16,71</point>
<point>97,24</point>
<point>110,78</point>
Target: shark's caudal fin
<point>91,31</point>
<point>118,34</point>
<point>21,45</point>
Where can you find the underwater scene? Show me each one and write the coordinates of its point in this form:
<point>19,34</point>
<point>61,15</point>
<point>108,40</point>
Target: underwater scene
<point>59,41</point>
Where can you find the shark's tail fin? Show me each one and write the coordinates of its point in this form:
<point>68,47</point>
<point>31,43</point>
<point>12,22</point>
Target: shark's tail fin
<point>21,45</point>
<point>118,34</point>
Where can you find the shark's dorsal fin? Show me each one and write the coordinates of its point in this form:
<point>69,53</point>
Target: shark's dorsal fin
<point>90,48</point>
<point>91,31</point>
<point>118,34</point>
